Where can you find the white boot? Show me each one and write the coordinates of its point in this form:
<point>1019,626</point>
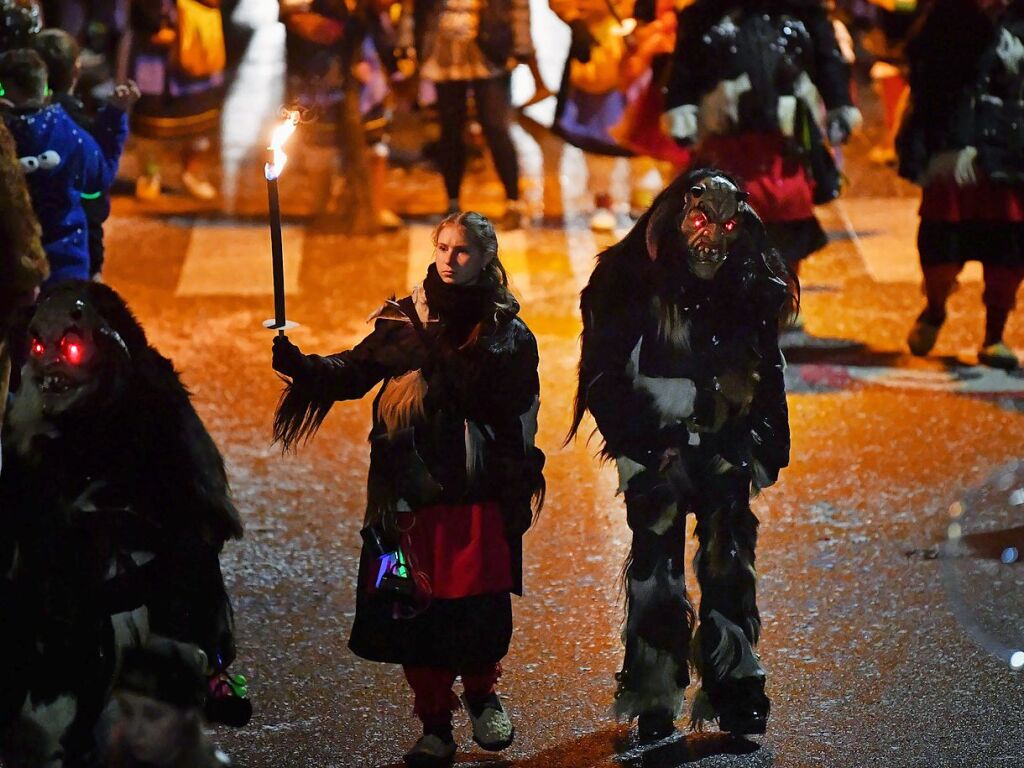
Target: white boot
<point>492,729</point>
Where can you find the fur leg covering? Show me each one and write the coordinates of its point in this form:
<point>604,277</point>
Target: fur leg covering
<point>659,618</point>
<point>733,678</point>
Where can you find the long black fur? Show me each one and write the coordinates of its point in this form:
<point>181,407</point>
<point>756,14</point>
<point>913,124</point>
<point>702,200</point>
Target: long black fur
<point>298,416</point>
<point>150,437</point>
<point>651,259</point>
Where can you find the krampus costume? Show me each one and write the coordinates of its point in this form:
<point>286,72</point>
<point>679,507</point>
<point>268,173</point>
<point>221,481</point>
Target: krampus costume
<point>747,80</point>
<point>962,140</point>
<point>681,369</point>
<point>114,498</point>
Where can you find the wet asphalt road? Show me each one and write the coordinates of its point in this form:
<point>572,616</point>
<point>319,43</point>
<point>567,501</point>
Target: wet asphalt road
<point>868,665</point>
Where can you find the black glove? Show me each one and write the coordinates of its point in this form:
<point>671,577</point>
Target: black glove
<point>289,360</point>
<point>582,42</point>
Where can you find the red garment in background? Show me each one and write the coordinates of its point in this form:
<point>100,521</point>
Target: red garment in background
<point>944,200</point>
<point>779,185</point>
<point>461,549</point>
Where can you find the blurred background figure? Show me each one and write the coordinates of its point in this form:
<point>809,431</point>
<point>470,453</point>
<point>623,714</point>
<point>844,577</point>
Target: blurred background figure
<point>644,74</point>
<point>175,51</point>
<point>20,20</point>
<point>470,47</point>
<point>762,89</point>
<point>63,59</point>
<point>158,710</point>
<point>592,98</point>
<point>880,30</point>
<point>962,142</point>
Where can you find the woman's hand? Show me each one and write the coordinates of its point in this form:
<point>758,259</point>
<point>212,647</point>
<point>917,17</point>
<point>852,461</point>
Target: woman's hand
<point>288,359</point>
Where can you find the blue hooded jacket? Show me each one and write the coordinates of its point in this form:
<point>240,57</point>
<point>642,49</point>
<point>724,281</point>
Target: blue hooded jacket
<point>63,163</point>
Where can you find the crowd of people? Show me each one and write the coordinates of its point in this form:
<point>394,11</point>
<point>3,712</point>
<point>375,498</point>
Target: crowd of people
<point>745,100</point>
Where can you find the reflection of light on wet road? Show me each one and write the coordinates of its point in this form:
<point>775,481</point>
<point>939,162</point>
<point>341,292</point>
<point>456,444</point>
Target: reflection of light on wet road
<point>979,565</point>
<point>256,93</point>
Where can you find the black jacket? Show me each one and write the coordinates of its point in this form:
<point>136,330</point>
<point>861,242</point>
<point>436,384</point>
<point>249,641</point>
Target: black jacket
<point>961,94</point>
<point>485,396</point>
<point>703,57</point>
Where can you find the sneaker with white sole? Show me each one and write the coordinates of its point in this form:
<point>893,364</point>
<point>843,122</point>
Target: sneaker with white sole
<point>431,751</point>
<point>492,730</point>
<point>199,188</point>
<point>603,220</point>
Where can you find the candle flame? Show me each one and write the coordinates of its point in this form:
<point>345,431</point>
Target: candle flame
<point>277,139</point>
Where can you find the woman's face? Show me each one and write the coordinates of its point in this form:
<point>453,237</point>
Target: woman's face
<point>456,261</point>
<point>152,730</point>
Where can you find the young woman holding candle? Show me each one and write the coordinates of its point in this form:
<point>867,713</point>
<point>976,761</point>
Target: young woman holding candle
<point>454,481</point>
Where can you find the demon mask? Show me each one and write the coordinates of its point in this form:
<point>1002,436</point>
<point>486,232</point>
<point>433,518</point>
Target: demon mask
<point>74,356</point>
<point>710,224</point>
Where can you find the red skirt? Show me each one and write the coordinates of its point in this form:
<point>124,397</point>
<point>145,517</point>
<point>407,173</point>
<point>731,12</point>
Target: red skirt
<point>461,550</point>
<point>779,185</point>
<point>944,200</point>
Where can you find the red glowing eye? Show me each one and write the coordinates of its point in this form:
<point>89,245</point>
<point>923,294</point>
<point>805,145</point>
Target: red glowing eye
<point>730,225</point>
<point>71,349</point>
<point>37,348</point>
<point>699,220</point>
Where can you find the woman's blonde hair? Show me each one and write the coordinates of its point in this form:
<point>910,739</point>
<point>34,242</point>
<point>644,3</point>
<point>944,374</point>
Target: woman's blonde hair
<point>482,240</point>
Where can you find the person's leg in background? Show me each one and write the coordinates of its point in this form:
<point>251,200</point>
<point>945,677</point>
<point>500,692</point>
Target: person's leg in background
<point>495,115</point>
<point>1000,298</point>
<point>451,110</point>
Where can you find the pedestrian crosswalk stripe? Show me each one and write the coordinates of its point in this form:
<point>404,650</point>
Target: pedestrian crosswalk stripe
<point>235,261</point>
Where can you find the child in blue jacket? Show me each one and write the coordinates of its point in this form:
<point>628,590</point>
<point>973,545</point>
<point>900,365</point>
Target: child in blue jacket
<point>62,162</point>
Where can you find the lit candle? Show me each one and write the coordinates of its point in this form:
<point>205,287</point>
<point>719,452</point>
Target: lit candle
<point>272,171</point>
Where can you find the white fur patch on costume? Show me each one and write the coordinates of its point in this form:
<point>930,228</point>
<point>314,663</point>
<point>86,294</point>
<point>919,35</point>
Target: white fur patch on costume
<point>628,469</point>
<point>657,690</point>
<point>42,727</point>
<point>653,672</point>
<point>673,398</point>
<point>681,122</point>
<point>720,108</point>
<point>785,112</point>
<point>1010,51</point>
<point>663,523</point>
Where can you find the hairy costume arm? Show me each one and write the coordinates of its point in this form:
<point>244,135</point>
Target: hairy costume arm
<point>612,327</point>
<point>769,412</point>
<point>318,382</point>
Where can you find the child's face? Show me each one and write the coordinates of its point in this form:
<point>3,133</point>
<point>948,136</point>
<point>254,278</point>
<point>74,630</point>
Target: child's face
<point>152,731</point>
